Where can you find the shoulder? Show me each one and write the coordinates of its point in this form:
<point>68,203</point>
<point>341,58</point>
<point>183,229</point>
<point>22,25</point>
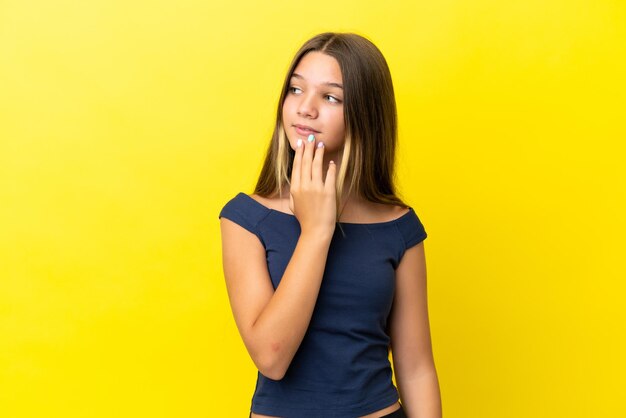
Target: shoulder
<point>405,220</point>
<point>384,212</point>
<point>273,202</point>
<point>410,227</point>
<point>244,211</point>
<point>387,212</point>
<point>404,226</point>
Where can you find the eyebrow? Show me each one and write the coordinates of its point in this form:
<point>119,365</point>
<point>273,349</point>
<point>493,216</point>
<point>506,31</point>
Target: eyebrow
<point>328,83</point>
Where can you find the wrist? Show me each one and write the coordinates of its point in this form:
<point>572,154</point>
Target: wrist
<point>318,233</point>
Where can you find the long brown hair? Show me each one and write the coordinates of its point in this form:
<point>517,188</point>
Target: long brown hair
<point>370,123</point>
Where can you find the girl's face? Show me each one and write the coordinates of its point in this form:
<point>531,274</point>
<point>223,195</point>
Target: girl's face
<point>315,100</point>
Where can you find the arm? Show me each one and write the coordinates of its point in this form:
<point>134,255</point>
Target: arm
<point>272,323</point>
<point>413,361</point>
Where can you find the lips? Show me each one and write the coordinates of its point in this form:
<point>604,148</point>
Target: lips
<point>304,129</point>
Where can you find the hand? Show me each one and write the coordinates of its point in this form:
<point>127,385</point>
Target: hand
<point>312,200</point>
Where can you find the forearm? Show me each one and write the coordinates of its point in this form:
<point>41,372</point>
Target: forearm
<point>282,324</point>
<point>420,395</point>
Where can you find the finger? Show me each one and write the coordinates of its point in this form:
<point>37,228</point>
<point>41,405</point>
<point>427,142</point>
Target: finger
<point>316,175</point>
<point>295,169</point>
<point>331,178</point>
<point>307,159</point>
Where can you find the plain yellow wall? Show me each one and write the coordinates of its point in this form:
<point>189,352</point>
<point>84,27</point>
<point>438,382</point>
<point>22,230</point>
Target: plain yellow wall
<point>126,126</point>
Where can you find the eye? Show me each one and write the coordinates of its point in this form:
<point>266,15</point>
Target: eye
<point>291,89</point>
<point>333,99</point>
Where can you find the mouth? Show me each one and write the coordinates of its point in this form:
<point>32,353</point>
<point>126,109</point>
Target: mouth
<point>305,130</point>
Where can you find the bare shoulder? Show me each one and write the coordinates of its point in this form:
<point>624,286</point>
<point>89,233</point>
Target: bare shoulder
<point>385,212</point>
<point>275,203</point>
<point>371,212</point>
<point>266,201</point>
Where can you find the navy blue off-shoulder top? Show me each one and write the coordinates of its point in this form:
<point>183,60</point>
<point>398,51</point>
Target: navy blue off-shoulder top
<point>341,368</point>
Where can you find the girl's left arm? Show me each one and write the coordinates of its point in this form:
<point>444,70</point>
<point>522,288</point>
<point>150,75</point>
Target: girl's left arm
<point>411,347</point>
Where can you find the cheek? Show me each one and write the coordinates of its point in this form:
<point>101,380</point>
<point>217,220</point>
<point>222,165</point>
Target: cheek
<point>338,123</point>
<point>289,103</point>
<point>286,105</point>
<point>287,123</point>
<point>287,113</point>
<point>335,130</point>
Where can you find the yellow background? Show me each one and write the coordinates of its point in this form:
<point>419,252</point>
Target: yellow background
<point>126,126</point>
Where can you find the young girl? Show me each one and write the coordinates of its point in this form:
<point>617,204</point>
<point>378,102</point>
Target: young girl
<point>324,264</point>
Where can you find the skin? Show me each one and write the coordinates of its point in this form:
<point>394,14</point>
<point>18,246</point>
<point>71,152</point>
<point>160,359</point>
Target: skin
<point>273,323</point>
<point>312,102</point>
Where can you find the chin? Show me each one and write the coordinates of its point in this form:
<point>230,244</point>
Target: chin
<point>292,144</point>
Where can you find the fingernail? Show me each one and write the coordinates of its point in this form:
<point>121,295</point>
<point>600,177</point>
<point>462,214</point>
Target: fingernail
<point>320,144</point>
<point>311,138</point>
<point>299,143</point>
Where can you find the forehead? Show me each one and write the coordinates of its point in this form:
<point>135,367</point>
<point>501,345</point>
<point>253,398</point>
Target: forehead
<point>317,67</point>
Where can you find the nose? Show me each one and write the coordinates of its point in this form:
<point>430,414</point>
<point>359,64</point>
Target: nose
<point>307,107</point>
